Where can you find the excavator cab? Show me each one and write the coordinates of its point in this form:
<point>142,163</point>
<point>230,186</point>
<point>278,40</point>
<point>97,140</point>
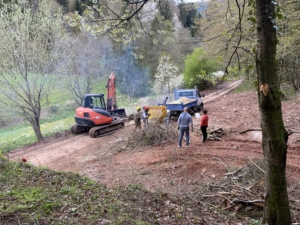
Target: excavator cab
<point>93,101</point>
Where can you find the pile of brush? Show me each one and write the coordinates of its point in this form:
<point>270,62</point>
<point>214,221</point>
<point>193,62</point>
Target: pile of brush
<point>154,135</point>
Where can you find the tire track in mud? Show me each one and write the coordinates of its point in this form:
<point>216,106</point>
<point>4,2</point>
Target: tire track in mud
<point>66,153</point>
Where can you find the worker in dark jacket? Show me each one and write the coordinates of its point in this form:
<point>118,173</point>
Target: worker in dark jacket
<point>137,118</point>
<point>146,116</point>
<point>184,122</point>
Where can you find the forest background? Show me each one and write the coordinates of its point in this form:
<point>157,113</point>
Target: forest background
<point>59,50</point>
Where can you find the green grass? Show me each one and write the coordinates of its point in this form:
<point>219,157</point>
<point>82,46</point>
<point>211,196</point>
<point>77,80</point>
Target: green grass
<point>32,195</point>
<point>288,91</point>
<point>20,136</point>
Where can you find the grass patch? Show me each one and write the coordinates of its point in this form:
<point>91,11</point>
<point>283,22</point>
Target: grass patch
<point>31,195</point>
<point>20,136</point>
<point>288,91</point>
<point>35,195</point>
<point>246,85</point>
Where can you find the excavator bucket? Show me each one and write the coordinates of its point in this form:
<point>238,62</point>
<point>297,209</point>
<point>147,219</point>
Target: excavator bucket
<point>119,112</point>
<point>157,114</point>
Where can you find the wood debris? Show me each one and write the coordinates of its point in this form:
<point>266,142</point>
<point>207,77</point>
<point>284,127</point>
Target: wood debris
<point>240,191</point>
<point>152,136</point>
<point>216,134</point>
<point>183,100</point>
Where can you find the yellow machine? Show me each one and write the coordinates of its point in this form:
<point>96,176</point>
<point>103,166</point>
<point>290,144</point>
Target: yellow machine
<point>157,114</point>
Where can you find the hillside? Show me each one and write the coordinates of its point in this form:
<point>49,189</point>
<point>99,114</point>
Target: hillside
<point>120,159</point>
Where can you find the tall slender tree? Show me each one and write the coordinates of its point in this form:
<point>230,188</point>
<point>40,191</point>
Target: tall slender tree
<point>274,134</point>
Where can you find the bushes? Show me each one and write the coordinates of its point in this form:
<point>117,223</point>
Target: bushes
<point>199,68</point>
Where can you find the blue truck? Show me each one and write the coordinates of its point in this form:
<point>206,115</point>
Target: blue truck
<point>190,98</point>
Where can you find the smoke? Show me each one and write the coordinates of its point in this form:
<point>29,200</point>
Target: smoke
<point>132,79</point>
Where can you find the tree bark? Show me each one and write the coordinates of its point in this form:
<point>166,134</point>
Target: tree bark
<point>36,126</point>
<point>274,134</point>
<point>37,131</point>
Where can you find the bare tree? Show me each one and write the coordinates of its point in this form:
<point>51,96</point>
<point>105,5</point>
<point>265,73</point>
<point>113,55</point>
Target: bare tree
<point>86,64</point>
<point>29,49</point>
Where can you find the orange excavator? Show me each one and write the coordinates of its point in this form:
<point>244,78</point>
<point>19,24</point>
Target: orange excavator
<point>99,118</point>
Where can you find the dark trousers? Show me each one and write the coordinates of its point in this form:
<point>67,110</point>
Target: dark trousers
<point>186,131</point>
<point>204,132</point>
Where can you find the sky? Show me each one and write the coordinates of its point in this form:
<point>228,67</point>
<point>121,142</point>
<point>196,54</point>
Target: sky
<point>189,1</point>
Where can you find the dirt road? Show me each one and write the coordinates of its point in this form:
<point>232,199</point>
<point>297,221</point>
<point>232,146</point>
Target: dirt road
<point>168,167</point>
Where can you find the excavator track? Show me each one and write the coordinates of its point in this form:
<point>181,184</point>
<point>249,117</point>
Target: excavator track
<point>106,129</point>
<point>77,129</point>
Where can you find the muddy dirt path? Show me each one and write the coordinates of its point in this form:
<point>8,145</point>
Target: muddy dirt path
<point>167,167</point>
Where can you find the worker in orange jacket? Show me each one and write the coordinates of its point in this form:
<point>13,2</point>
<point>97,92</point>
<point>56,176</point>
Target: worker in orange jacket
<point>204,125</point>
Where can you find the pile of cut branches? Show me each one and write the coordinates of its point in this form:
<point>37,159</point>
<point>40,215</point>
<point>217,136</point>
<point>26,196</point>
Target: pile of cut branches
<point>216,134</point>
<point>242,191</point>
<point>154,135</point>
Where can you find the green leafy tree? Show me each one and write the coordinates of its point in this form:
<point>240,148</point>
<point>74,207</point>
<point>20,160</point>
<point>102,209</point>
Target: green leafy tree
<point>198,68</point>
<point>29,48</point>
<point>145,24</point>
<point>151,46</point>
<point>166,10</point>
<point>229,33</point>
<point>187,14</point>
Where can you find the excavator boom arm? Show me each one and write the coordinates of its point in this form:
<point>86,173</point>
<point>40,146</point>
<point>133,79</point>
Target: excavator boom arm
<point>111,93</point>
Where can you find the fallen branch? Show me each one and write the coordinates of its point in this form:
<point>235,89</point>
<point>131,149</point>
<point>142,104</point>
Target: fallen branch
<point>256,165</point>
<point>290,132</point>
<point>222,163</point>
<point>257,202</point>
<point>220,196</point>
<point>255,183</point>
<point>248,130</point>
<point>236,171</point>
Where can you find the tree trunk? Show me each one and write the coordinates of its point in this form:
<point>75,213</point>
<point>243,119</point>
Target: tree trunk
<point>35,123</point>
<point>169,91</point>
<point>274,135</point>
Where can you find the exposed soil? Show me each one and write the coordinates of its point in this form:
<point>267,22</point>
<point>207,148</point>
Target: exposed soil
<point>167,167</point>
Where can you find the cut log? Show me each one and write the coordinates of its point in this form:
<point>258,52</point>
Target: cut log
<point>290,131</point>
